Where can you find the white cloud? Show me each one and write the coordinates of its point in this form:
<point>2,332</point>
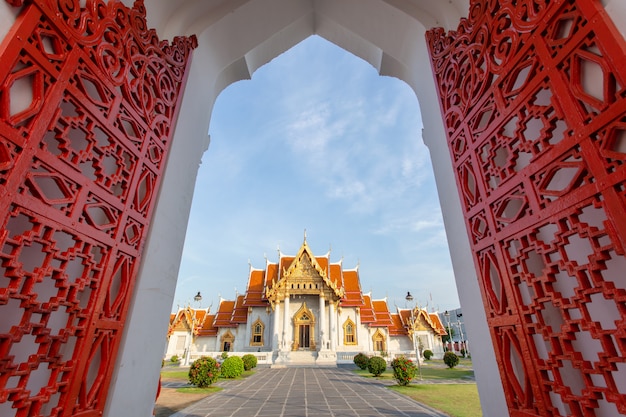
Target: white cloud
<point>318,141</point>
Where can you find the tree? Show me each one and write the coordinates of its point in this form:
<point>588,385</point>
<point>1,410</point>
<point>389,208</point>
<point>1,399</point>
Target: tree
<point>451,333</point>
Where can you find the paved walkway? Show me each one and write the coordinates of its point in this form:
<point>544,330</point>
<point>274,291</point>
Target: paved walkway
<point>306,392</point>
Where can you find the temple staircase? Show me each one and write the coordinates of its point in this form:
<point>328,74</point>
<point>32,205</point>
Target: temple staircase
<point>305,359</point>
<point>302,358</point>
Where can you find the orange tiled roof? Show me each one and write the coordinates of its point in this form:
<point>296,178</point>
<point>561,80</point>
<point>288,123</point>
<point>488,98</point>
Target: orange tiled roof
<point>255,293</point>
<point>224,314</point>
<point>352,296</point>
<point>367,310</point>
<point>437,324</point>
<point>405,317</point>
<point>325,265</point>
<point>199,315</point>
<point>397,326</point>
<point>240,312</point>
<point>207,328</point>
<point>271,273</point>
<point>335,272</point>
<point>285,263</point>
<point>381,312</point>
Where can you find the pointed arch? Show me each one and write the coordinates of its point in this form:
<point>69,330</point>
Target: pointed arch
<point>227,341</point>
<point>349,332</point>
<point>258,331</point>
<point>379,341</point>
<point>304,329</point>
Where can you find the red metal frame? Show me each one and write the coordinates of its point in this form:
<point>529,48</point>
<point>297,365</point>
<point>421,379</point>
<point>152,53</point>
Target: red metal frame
<point>88,104</point>
<point>539,152</point>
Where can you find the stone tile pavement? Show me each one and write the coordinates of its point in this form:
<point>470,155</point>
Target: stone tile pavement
<point>306,392</point>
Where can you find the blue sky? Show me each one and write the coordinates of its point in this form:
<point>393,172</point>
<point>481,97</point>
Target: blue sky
<point>317,140</point>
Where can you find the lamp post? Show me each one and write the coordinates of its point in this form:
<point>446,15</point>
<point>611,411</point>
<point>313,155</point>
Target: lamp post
<point>458,323</point>
<point>189,341</point>
<point>197,298</point>
<point>409,298</point>
<point>447,314</point>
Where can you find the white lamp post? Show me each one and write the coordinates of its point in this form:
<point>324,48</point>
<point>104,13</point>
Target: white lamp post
<point>418,358</point>
<point>447,314</point>
<point>458,323</point>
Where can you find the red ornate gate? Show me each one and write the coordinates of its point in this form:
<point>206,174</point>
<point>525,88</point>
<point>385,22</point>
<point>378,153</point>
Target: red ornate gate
<point>534,102</point>
<point>88,102</point>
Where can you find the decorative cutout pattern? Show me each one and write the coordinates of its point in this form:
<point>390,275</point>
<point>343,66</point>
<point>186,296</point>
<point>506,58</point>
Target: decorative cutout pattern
<point>88,99</point>
<point>532,95</point>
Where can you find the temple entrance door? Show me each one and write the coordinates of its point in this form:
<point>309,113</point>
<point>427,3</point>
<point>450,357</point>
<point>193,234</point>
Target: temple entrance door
<point>304,341</point>
<point>303,322</point>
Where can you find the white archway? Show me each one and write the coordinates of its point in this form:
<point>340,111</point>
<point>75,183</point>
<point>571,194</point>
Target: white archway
<point>235,39</point>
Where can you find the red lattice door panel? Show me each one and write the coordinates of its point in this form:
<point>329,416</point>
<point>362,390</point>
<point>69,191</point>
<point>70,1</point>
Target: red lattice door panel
<point>533,99</point>
<point>88,103</point>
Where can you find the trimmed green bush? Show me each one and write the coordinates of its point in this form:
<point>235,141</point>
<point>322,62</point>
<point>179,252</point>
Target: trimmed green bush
<point>463,352</point>
<point>404,370</point>
<point>224,355</point>
<point>249,361</point>
<point>450,359</point>
<point>376,365</point>
<point>203,372</point>
<point>427,354</point>
<point>232,367</point>
<point>174,359</point>
<point>361,360</point>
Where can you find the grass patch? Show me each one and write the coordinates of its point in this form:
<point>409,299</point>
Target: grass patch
<point>244,375</point>
<point>457,400</point>
<point>427,373</point>
<point>446,373</point>
<point>388,374</point>
<point>196,390</point>
<point>176,374</point>
<point>184,375</point>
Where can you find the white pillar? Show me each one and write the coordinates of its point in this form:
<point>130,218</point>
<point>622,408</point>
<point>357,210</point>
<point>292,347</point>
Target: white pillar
<point>285,342</point>
<point>333,325</point>
<point>322,322</point>
<point>276,333</point>
<point>248,340</point>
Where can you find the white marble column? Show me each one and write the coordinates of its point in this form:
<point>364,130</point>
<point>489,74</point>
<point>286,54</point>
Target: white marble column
<point>275,330</point>
<point>333,325</point>
<point>322,322</point>
<point>285,341</point>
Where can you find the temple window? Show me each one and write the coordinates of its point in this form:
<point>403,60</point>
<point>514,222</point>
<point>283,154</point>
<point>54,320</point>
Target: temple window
<point>379,341</point>
<point>349,334</point>
<point>257,333</point>
<point>228,341</point>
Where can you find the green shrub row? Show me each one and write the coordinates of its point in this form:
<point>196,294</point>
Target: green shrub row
<point>205,370</point>
<point>376,365</point>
